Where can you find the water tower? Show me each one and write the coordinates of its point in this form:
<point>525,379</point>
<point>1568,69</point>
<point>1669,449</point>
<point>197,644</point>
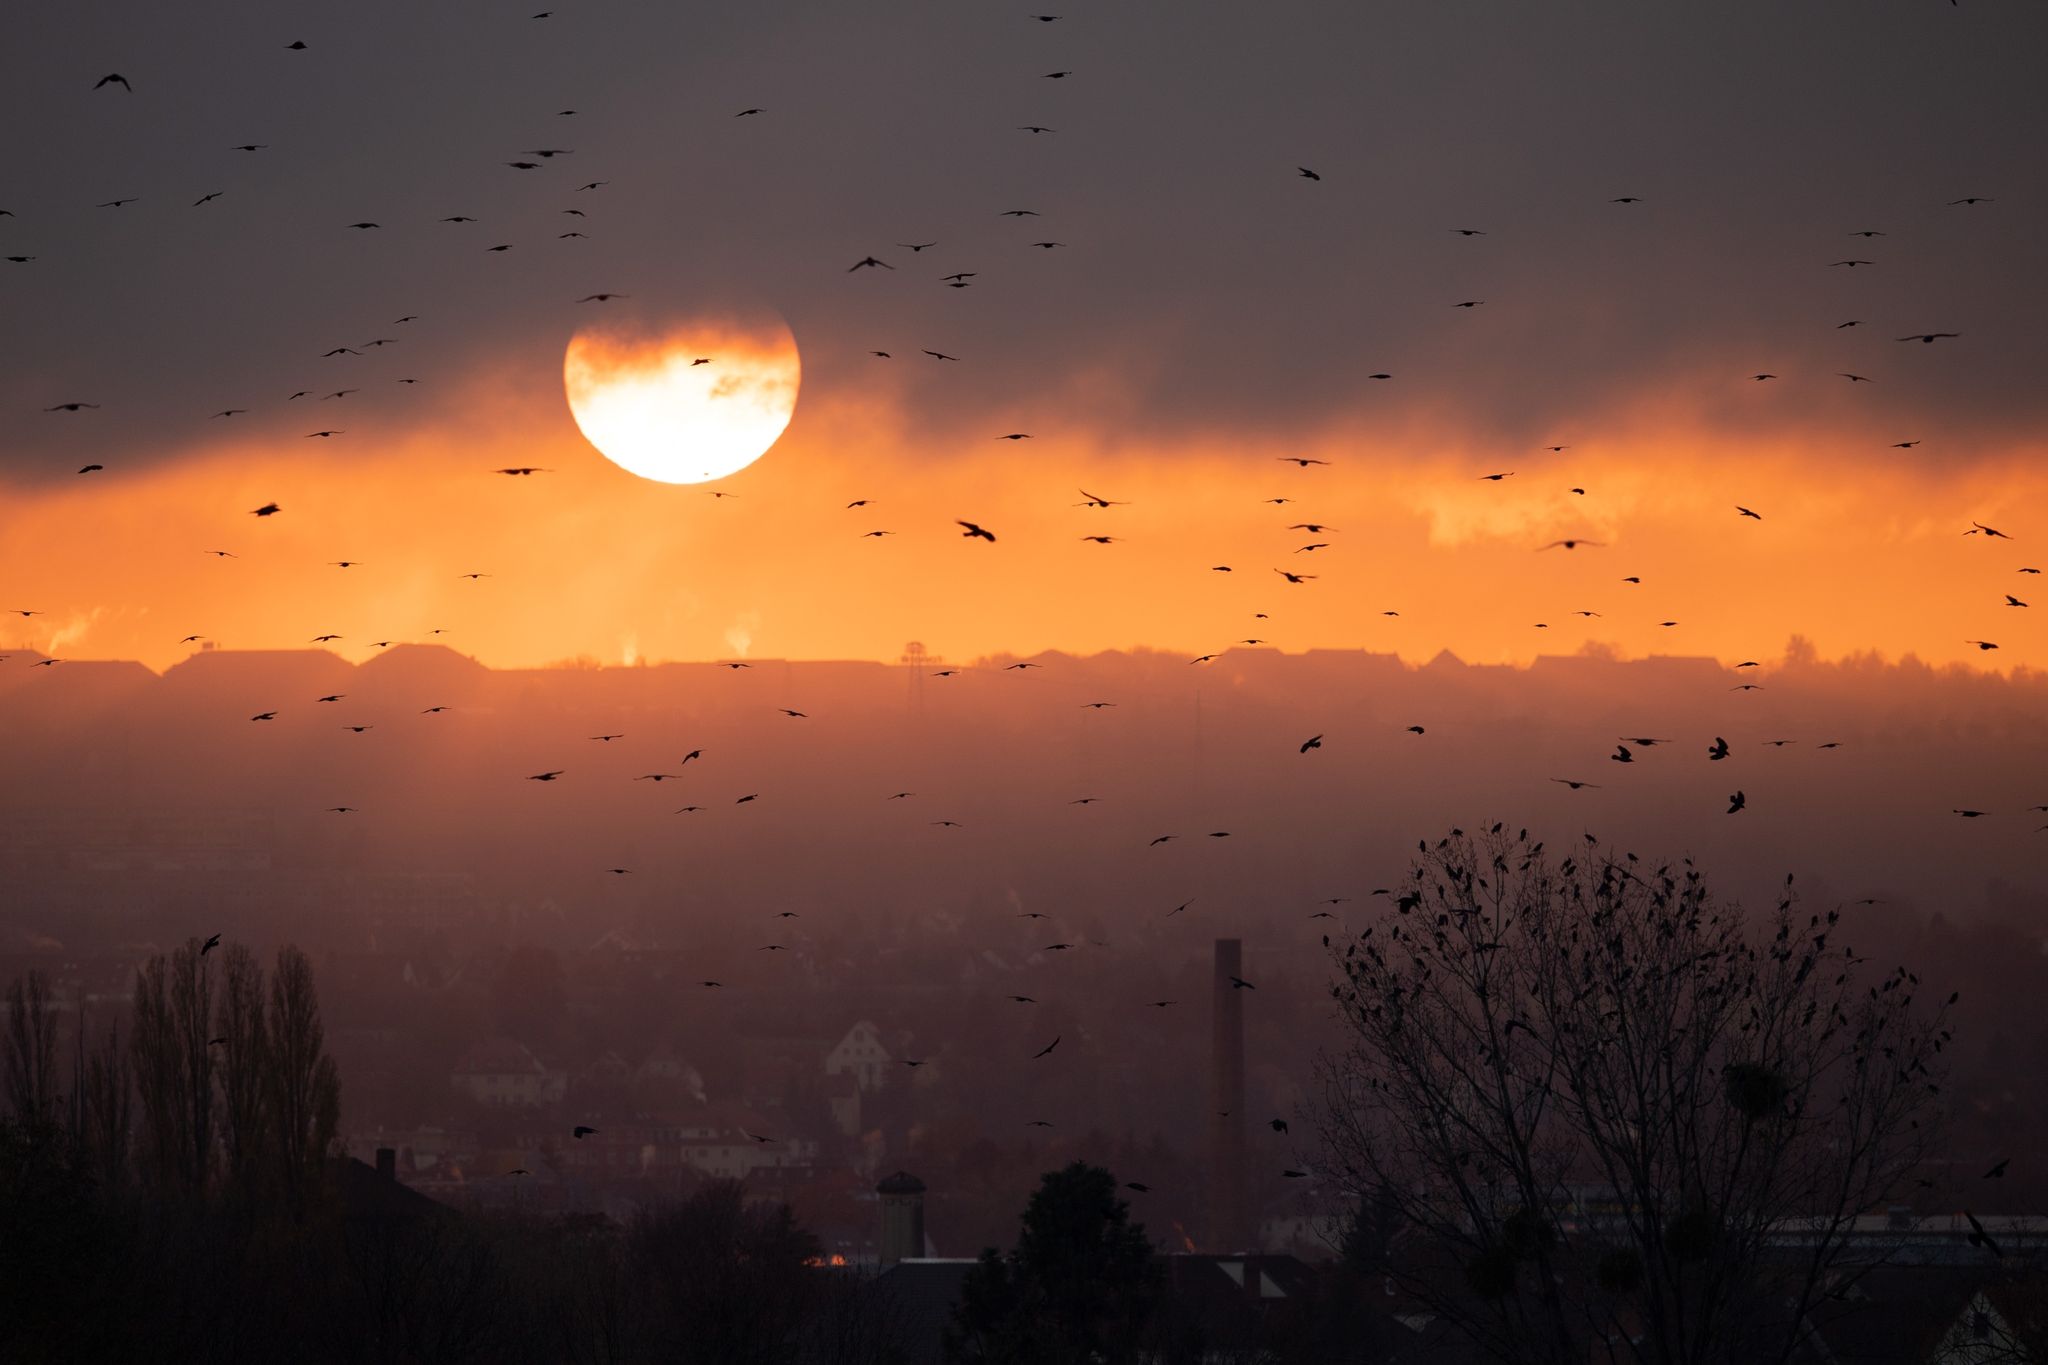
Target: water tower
<point>902,1196</point>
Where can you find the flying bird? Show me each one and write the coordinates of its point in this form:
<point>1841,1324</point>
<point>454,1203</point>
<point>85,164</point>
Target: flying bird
<point>1980,1238</point>
<point>975,532</point>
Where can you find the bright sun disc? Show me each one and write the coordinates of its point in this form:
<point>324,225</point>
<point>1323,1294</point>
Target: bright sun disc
<point>649,407</point>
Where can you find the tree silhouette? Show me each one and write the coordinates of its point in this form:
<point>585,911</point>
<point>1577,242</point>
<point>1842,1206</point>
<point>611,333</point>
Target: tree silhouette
<point>1597,1104</point>
<point>243,1061</point>
<point>1079,1286</point>
<point>31,1054</point>
<point>726,1282</point>
<point>303,1090</point>
<point>174,1065</point>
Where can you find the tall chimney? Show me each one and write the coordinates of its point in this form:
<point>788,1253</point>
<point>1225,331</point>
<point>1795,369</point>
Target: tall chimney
<point>902,1218</point>
<point>1228,1230</point>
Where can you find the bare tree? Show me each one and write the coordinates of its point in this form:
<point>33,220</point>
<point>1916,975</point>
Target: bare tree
<point>303,1091</point>
<point>244,1068</point>
<point>104,1105</point>
<point>174,1065</point>
<point>31,1054</point>
<point>1601,1109</point>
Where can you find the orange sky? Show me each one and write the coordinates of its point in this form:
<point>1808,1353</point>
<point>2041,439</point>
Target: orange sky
<point>1855,552</point>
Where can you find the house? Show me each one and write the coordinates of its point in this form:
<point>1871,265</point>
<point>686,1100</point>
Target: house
<point>842,1100</point>
<point>861,1054</point>
<point>2004,1323</point>
<point>666,1072</point>
<point>505,1071</point>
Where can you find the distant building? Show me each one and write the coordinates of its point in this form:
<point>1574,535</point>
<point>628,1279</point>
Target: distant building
<point>842,1101</point>
<point>861,1054</point>
<point>665,1066</point>
<point>902,1198</point>
<point>1932,1315</point>
<point>505,1071</point>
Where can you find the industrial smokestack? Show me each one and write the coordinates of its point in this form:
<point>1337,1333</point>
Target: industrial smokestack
<point>1229,1228</point>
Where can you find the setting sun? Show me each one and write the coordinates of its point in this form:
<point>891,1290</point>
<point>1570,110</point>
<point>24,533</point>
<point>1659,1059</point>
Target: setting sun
<point>687,404</point>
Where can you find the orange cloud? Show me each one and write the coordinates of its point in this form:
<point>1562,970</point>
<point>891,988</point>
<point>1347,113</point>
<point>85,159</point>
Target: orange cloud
<point>1853,552</point>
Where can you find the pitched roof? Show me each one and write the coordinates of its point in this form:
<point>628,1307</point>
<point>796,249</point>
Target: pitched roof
<point>1893,1315</point>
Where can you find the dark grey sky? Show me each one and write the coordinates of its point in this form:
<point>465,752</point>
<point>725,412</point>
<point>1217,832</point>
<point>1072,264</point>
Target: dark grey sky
<point>1211,285</point>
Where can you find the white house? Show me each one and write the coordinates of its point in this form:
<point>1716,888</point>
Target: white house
<point>861,1054</point>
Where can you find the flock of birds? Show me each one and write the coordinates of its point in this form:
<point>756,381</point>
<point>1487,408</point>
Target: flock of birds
<point>582,203</point>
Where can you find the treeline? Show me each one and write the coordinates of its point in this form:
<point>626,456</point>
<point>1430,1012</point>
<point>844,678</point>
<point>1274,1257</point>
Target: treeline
<point>170,1191</point>
<point>222,1087</point>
